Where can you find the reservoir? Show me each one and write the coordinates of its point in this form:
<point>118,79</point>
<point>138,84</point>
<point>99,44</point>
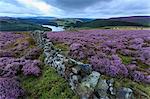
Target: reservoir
<point>54,28</point>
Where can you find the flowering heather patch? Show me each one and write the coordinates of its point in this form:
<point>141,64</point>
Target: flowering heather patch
<point>31,68</point>
<point>20,66</point>
<point>10,88</point>
<point>33,53</point>
<point>11,66</point>
<point>115,53</point>
<point>14,60</point>
<point>15,53</point>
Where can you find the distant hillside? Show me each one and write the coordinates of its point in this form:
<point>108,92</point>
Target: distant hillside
<point>41,20</point>
<point>105,22</point>
<point>33,23</point>
<point>25,23</point>
<point>144,20</point>
<point>71,22</point>
<point>16,24</point>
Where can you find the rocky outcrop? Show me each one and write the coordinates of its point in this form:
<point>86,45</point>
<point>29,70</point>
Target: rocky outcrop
<point>87,83</point>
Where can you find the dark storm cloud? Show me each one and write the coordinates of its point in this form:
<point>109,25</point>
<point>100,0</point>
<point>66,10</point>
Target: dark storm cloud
<point>74,4</point>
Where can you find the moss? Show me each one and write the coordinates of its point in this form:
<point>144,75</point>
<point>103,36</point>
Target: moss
<point>142,65</point>
<point>42,57</point>
<point>126,59</point>
<point>30,40</point>
<point>48,86</point>
<point>26,38</point>
<point>85,61</point>
<point>64,48</point>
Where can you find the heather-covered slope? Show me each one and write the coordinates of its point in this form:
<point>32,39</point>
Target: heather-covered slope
<point>119,54</point>
<point>22,72</point>
<point>126,56</point>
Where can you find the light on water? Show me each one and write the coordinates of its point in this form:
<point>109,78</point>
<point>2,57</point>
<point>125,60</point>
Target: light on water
<point>54,28</point>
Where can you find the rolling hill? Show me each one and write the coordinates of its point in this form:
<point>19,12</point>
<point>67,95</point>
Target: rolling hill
<point>105,22</point>
<point>40,20</point>
<point>16,24</point>
<point>34,23</point>
<point>144,20</point>
<point>122,21</point>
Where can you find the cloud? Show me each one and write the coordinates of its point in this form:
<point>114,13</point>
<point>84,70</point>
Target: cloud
<point>115,8</point>
<point>75,8</point>
<point>102,8</point>
<point>28,7</point>
<point>40,5</point>
<point>12,8</point>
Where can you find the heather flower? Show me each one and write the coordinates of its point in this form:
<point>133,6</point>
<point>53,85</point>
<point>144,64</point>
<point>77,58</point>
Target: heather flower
<point>33,53</point>
<point>135,47</point>
<point>147,79</point>
<point>131,67</point>
<point>11,70</point>
<point>31,68</point>
<point>10,88</point>
<point>75,46</point>
<point>147,39</point>
<point>137,41</point>
<point>6,54</point>
<point>123,71</point>
<point>137,76</point>
<point>112,71</point>
<point>116,60</point>
<point>81,55</point>
<point>145,53</point>
<point>110,43</point>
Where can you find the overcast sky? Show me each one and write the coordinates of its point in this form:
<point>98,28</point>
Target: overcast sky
<point>75,8</point>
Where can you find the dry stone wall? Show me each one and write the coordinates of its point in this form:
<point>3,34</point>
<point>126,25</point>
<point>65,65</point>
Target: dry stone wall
<point>87,83</point>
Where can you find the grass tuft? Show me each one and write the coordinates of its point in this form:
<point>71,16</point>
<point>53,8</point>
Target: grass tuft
<point>48,86</point>
<point>126,59</point>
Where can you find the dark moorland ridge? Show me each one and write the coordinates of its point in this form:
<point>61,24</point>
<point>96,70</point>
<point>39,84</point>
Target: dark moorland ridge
<point>143,21</point>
